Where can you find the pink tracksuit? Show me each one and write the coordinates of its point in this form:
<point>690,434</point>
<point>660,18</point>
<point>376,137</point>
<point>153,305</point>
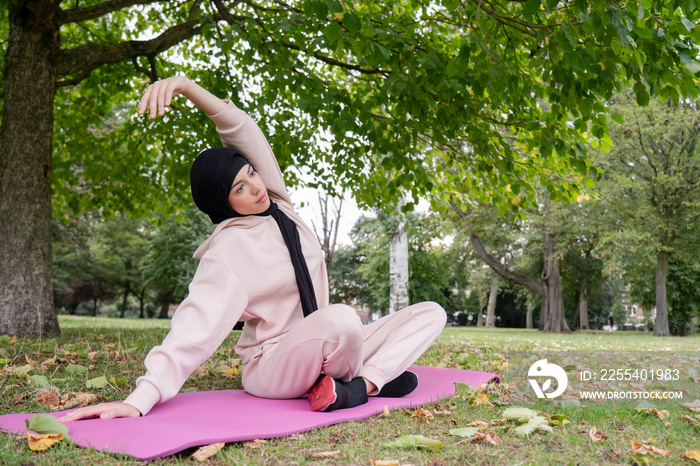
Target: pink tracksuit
<point>245,273</point>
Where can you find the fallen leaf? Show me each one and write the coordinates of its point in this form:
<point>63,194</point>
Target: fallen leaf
<point>326,454</point>
<point>464,431</point>
<point>692,405</point>
<point>118,382</point>
<point>481,400</point>
<point>385,462</point>
<point>41,442</point>
<point>422,414</point>
<point>46,424</point>
<point>648,449</point>
<point>490,437</point>
<point>39,381</point>
<point>479,424</point>
<point>76,369</point>
<point>516,414</point>
<point>92,356</point>
<point>97,382</point>
<point>597,435</point>
<point>559,420</point>
<point>693,455</point>
<point>18,399</point>
<point>532,425</point>
<point>79,400</point>
<point>204,453</point>
<point>254,444</point>
<point>688,419</point>
<point>583,427</point>
<point>48,400</point>
<point>385,412</point>
<point>442,412</point>
<point>201,371</point>
<point>416,441</point>
<point>662,415</point>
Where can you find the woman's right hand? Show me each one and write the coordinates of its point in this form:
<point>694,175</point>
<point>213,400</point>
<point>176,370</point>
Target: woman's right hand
<point>159,95</point>
<point>103,411</point>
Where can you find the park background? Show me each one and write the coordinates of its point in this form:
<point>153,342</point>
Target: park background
<point>551,147</point>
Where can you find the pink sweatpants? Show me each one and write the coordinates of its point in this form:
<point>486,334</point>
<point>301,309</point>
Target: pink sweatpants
<point>333,340</point>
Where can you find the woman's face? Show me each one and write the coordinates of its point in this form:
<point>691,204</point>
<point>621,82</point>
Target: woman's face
<point>248,193</point>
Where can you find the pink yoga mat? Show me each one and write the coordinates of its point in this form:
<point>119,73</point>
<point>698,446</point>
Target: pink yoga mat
<point>201,418</point>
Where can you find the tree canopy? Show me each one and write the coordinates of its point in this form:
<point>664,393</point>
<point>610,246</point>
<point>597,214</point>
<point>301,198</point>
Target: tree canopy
<point>471,101</point>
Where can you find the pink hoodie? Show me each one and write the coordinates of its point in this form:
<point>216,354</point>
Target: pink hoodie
<point>244,273</point>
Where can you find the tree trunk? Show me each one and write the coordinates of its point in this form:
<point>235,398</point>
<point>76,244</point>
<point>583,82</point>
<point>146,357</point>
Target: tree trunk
<point>26,137</point>
<point>479,315</point>
<point>554,319</point>
<point>491,308</point>
<point>398,265</point>
<point>165,300</point>
<point>661,328</point>
<point>583,309</point>
<point>528,316</point>
<point>125,297</point>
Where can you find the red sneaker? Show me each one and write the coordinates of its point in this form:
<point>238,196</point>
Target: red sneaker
<point>322,394</point>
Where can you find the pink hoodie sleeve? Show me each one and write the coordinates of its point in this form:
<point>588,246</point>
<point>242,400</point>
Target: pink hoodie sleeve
<point>215,302</point>
<point>239,131</point>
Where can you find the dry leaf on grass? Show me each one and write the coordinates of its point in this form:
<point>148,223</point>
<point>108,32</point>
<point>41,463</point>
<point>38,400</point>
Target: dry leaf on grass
<point>326,454</point>
<point>478,424</point>
<point>48,400</point>
<point>385,412</point>
<point>481,400</point>
<point>207,451</point>
<point>41,442</point>
<point>422,414</point>
<point>254,444</point>
<point>662,414</point>
<point>80,400</point>
<point>693,455</point>
<point>490,437</point>
<point>384,462</point>
<point>688,419</point>
<point>442,412</point>
<point>645,449</point>
<point>597,435</point>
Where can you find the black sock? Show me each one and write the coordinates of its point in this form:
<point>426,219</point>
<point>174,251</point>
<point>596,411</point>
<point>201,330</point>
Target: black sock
<point>400,386</point>
<point>349,394</point>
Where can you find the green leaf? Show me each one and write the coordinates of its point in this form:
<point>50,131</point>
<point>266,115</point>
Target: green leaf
<point>688,25</point>
<point>334,6</point>
<point>332,32</point>
<point>46,424</point>
<point>97,382</point>
<point>532,425</point>
<point>644,33</point>
<point>416,441</point>
<point>76,369</point>
<point>119,382</point>
<point>39,381</point>
<point>518,414</point>
<point>463,389</point>
<point>352,22</point>
<point>617,118</point>
<point>464,431</point>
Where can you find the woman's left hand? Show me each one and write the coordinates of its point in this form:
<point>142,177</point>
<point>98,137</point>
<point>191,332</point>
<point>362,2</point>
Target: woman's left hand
<point>161,93</point>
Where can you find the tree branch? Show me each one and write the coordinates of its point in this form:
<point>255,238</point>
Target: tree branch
<point>95,11</point>
<point>81,61</point>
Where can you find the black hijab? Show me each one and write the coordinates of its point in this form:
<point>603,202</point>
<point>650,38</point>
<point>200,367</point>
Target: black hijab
<point>211,177</point>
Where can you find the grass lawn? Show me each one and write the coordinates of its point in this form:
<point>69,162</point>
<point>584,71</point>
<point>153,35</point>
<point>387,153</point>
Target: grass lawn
<point>115,348</point>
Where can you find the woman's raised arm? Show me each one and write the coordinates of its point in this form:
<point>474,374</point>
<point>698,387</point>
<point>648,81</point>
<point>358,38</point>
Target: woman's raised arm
<point>159,95</point>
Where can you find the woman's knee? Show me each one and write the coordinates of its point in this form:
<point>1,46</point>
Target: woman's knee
<point>340,320</point>
<point>433,313</point>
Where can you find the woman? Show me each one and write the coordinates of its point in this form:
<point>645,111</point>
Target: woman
<point>263,265</point>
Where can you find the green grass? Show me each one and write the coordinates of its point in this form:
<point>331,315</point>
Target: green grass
<point>116,348</point>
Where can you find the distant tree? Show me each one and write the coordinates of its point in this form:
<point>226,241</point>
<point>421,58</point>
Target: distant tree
<point>651,190</point>
<point>168,265</point>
